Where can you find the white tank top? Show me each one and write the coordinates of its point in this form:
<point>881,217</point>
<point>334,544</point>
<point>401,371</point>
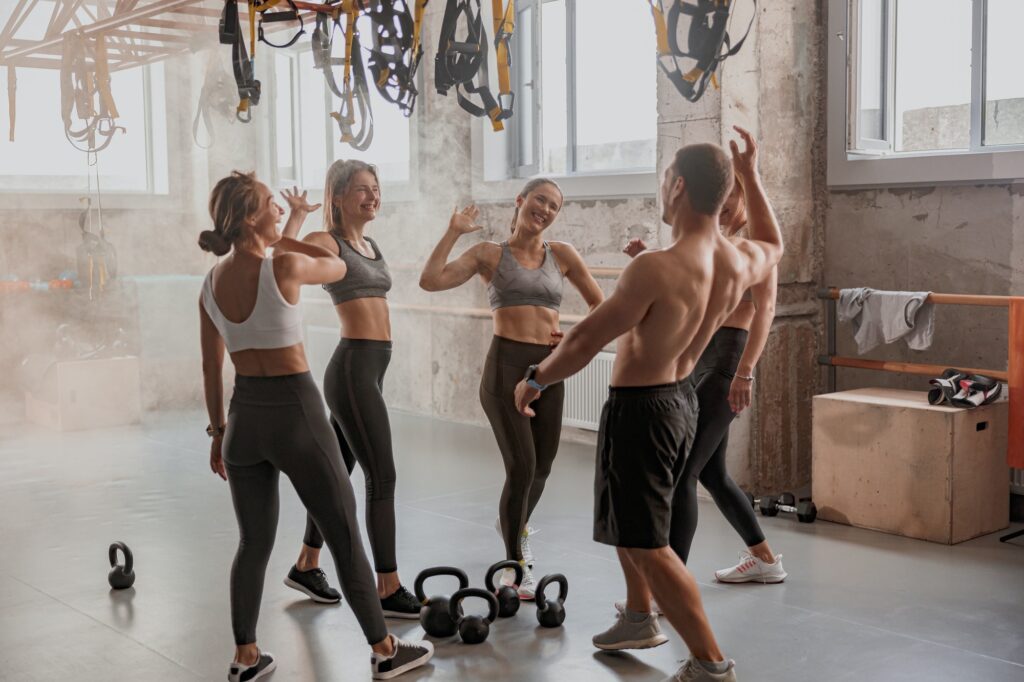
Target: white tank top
<point>273,323</point>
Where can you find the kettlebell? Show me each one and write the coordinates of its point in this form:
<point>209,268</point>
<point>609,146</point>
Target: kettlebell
<point>551,614</point>
<point>508,596</point>
<point>120,577</point>
<point>473,629</point>
<point>434,615</point>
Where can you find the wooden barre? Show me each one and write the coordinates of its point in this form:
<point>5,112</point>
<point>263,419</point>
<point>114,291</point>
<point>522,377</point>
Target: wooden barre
<point>931,371</point>
<point>953,299</point>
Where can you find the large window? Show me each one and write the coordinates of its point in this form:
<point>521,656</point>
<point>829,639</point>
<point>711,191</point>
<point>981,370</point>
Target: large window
<point>308,140</point>
<point>585,83</point>
<point>42,160</point>
<point>920,79</point>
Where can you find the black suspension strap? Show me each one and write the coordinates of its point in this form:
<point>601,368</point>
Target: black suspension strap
<point>244,67</point>
<point>463,64</point>
<point>708,42</point>
<point>355,114</point>
<point>397,50</point>
<point>278,17</point>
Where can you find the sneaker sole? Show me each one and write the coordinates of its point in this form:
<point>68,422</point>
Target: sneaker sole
<point>309,593</point>
<point>415,663</point>
<point>771,580</point>
<point>263,673</point>
<point>402,615</point>
<point>634,644</point>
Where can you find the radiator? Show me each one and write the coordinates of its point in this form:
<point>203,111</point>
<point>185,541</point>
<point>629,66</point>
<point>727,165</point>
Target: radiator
<point>586,392</point>
<point>1017,481</point>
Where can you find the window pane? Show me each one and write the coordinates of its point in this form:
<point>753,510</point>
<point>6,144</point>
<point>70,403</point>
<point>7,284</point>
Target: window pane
<point>1004,84</point>
<point>389,150</point>
<point>42,159</point>
<point>524,97</point>
<point>313,120</point>
<point>933,74</point>
<point>284,124</point>
<point>616,98</point>
<point>554,108</point>
<point>871,100</point>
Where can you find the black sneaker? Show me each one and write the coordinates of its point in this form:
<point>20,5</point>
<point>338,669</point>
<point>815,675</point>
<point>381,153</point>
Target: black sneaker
<point>264,665</point>
<point>402,604</point>
<point>407,655</point>
<point>313,584</point>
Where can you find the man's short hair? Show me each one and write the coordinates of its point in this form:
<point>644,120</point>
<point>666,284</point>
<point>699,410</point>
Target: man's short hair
<point>707,171</point>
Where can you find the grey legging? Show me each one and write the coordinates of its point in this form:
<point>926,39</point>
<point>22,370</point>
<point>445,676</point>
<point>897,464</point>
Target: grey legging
<point>528,446</point>
<point>278,424</point>
<point>354,388</point>
<point>713,375</point>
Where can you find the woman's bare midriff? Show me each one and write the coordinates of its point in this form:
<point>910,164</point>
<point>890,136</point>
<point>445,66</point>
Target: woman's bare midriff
<point>273,362</point>
<point>526,323</point>
<point>365,318</point>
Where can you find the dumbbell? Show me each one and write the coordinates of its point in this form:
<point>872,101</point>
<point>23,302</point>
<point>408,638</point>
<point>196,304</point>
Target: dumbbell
<point>805,509</point>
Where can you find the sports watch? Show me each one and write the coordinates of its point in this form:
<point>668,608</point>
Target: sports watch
<point>215,431</point>
<point>531,372</point>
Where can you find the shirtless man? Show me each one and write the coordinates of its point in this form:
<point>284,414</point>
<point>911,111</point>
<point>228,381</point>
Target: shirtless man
<point>666,306</point>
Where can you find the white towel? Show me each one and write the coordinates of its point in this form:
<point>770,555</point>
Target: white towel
<point>887,316</point>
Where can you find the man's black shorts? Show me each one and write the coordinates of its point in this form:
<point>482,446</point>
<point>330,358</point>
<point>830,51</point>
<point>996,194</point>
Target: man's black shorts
<point>643,431</point>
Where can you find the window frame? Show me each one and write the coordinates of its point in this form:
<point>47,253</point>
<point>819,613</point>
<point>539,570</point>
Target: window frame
<point>498,170</point>
<point>66,197</point>
<point>862,168</point>
<point>392,191</point>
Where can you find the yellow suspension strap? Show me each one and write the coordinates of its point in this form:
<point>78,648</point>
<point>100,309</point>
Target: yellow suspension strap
<point>244,68</point>
<point>396,53</point>
<point>504,25</point>
<point>12,89</point>
<point>355,93</point>
<point>463,64</point>
<point>708,42</point>
<point>86,94</point>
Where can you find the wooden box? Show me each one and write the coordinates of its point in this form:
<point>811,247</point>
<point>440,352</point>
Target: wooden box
<point>887,460</point>
<point>88,394</point>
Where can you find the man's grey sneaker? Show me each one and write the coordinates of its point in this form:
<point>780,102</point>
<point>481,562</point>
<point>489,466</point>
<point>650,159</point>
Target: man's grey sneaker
<point>620,606</point>
<point>692,671</point>
<point>264,665</point>
<point>407,656</point>
<point>313,584</point>
<point>401,604</point>
<point>628,635</point>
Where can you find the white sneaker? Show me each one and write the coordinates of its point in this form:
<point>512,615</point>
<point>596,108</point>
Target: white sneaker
<point>750,569</point>
<point>524,545</point>
<point>528,588</point>
<point>692,671</point>
<point>620,606</point>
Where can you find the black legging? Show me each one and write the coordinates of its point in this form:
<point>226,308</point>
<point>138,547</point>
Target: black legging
<point>279,424</point>
<point>354,389</point>
<point>714,373</point>
<point>528,445</point>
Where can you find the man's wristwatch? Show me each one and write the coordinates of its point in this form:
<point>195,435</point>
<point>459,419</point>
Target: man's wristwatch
<point>531,372</point>
<point>214,431</point>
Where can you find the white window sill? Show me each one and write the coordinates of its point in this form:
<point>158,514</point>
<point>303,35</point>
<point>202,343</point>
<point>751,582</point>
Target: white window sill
<point>12,199</point>
<point>574,187</point>
<point>849,171</point>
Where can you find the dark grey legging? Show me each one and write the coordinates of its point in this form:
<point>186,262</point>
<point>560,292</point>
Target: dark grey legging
<point>713,375</point>
<point>354,388</point>
<point>278,424</point>
<point>528,446</point>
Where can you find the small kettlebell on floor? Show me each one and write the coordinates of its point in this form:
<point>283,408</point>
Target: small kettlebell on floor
<point>434,616</point>
<point>551,614</point>
<point>473,629</point>
<point>508,595</point>
<point>120,577</point>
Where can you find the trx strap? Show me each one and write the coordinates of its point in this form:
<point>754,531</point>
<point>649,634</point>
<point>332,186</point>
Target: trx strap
<point>397,50</point>
<point>354,92</point>
<point>706,38</point>
<point>277,17</point>
<point>459,64</point>
<point>85,93</point>
<point>960,389</point>
<point>97,258</point>
<point>12,89</point>
<point>214,97</point>
<point>249,88</point>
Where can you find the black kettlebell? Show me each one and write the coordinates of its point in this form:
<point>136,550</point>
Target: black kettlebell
<point>508,596</point>
<point>551,614</point>
<point>120,577</point>
<point>473,629</point>
<point>434,615</point>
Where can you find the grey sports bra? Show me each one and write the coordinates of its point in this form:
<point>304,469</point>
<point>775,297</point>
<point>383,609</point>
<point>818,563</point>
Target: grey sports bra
<point>366,277</point>
<point>513,284</point>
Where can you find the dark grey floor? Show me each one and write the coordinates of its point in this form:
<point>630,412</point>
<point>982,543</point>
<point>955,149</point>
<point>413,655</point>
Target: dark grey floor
<point>857,606</point>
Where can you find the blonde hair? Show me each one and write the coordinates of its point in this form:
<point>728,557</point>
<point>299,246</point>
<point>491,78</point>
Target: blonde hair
<point>232,200</point>
<point>339,177</point>
<point>531,186</point>
<point>739,220</point>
